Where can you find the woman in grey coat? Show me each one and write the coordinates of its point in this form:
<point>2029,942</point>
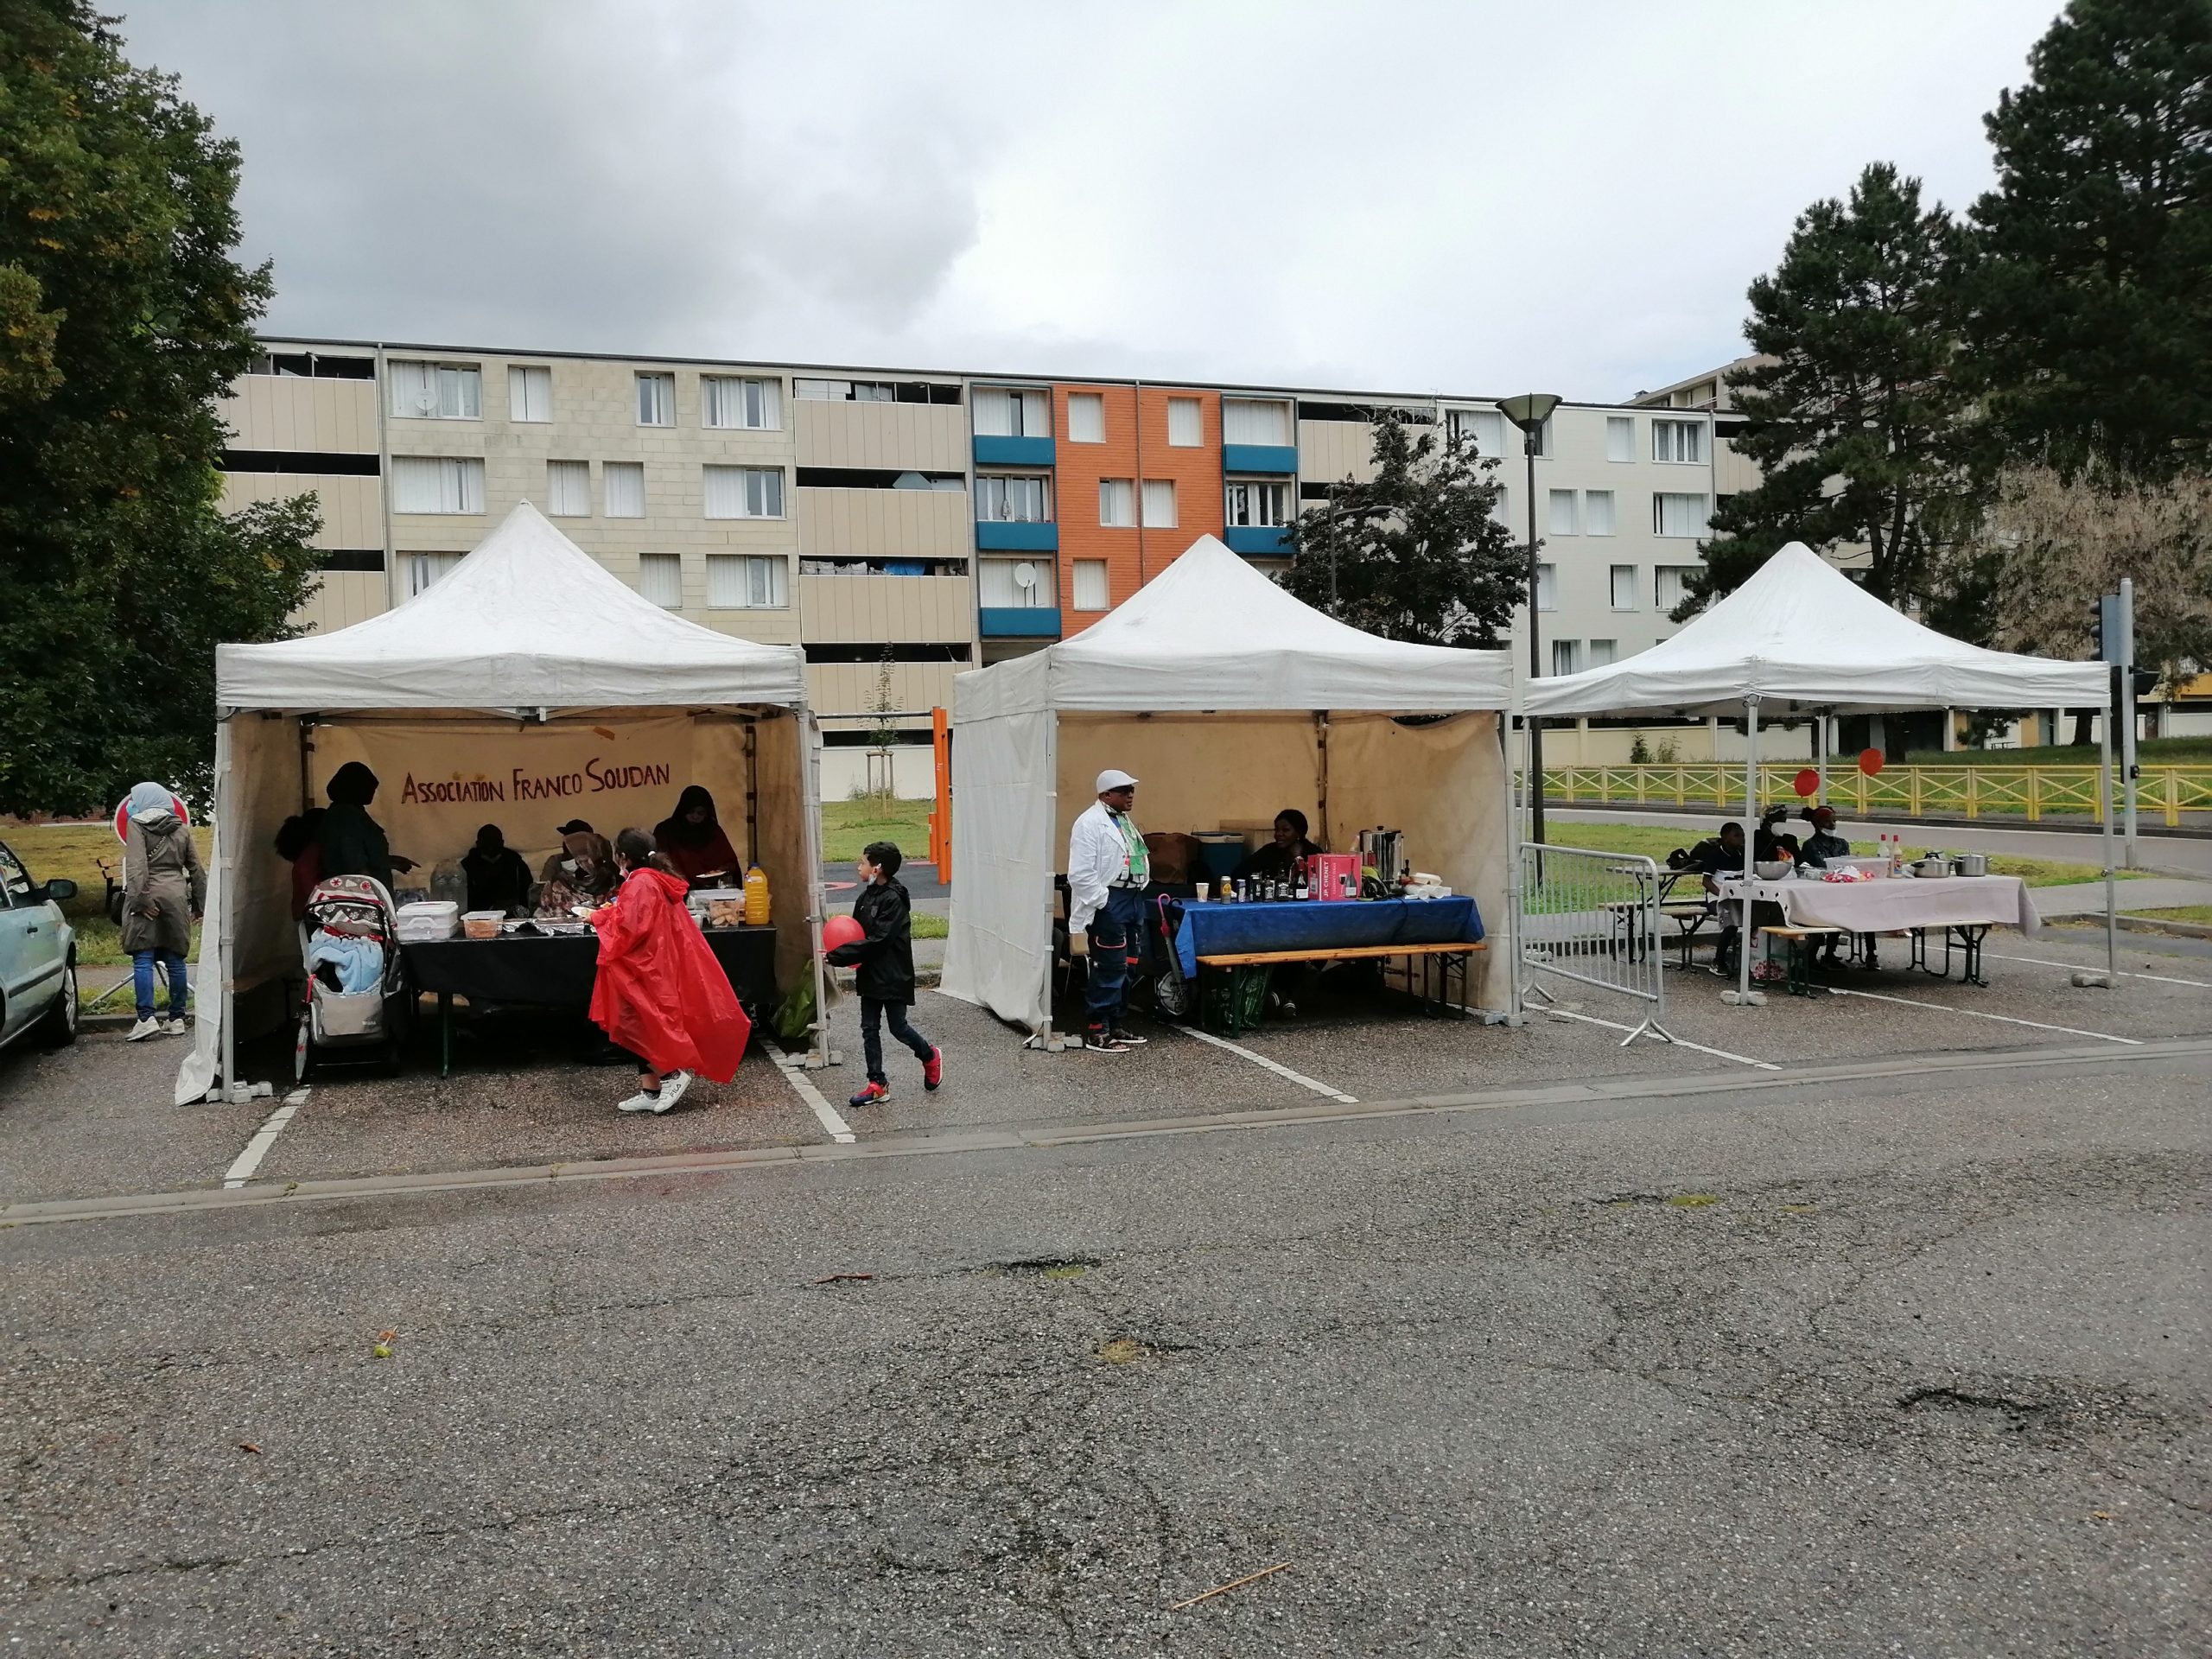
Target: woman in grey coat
<point>164,891</point>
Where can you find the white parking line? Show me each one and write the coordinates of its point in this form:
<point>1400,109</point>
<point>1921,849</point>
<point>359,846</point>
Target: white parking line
<point>241,1171</point>
<point>794,1070</point>
<point>1950,1007</point>
<point>2163,979</point>
<point>1265,1064</point>
<point>1615,1024</point>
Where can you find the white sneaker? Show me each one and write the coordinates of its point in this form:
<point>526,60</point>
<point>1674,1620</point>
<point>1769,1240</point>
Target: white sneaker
<point>640,1102</point>
<point>671,1090</point>
<point>175,1027</point>
<point>142,1030</point>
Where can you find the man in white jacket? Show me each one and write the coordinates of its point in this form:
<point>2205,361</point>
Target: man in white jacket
<point>1107,870</point>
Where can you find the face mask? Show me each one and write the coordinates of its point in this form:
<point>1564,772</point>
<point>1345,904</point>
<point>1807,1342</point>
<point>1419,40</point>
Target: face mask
<point>570,865</point>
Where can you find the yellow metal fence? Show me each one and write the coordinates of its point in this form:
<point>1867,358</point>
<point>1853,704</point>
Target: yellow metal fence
<point>1914,792</point>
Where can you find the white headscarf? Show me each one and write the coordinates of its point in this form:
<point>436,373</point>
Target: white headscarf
<point>149,803</point>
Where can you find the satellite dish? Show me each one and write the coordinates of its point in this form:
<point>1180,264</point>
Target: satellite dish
<point>1025,575</point>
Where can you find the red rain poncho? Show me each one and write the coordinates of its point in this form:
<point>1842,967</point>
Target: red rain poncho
<point>660,993</point>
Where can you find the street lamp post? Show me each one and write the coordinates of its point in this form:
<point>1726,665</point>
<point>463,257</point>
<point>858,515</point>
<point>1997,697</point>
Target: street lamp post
<point>1529,411</point>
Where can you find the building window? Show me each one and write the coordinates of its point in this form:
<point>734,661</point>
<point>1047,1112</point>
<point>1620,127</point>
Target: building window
<point>656,400</point>
<point>530,393</point>
<point>1567,656</point>
<point>1670,585</point>
<point>567,489</point>
<point>1485,426</point>
<point>727,400</point>
<point>437,392</point>
<point>1245,420</point>
<point>1091,591</point>
<point>1598,518</point>
<point>1547,588</point>
<point>1677,515</point>
<point>1012,499</point>
<point>1502,510</point>
<point>1562,518</point>
<point>1013,412</point>
<point>1117,502</point>
<point>745,491</point>
<point>1603,652</point>
<point>743,581</point>
<point>845,392</point>
<point>424,570</point>
<point>1015,584</point>
<point>660,578</point>
<point>436,484</point>
<point>1159,504</point>
<point>1086,417</point>
<point>1252,501</point>
<point>625,484</point>
<point>1625,586</point>
<point>1678,440</point>
<point>1620,437</point>
<point>1186,427</point>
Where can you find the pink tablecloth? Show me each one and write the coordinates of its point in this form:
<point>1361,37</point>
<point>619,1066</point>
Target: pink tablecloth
<point>1896,903</point>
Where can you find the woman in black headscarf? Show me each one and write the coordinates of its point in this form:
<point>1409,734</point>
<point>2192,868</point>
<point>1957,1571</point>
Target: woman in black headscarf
<point>692,840</point>
<point>497,878</point>
<point>353,842</point>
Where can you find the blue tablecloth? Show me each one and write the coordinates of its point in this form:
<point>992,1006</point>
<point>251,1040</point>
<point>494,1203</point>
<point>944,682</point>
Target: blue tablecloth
<point>1216,929</point>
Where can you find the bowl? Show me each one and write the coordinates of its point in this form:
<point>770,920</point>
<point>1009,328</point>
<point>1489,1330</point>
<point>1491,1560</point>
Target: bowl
<point>1771,869</point>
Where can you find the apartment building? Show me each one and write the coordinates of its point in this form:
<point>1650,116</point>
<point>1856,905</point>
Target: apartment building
<point>900,527</point>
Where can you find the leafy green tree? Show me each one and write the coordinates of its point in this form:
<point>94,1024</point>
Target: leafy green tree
<point>123,316</point>
<point>2089,289</point>
<point>1416,552</point>
<point>1851,415</point>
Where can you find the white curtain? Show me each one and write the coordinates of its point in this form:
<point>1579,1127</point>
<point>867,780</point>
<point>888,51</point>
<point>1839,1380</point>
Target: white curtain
<point>744,492</point>
<point>1562,513</point>
<point>1186,423</point>
<point>1087,418</point>
<point>1485,426</point>
<point>624,482</point>
<point>529,394</point>
<point>1679,440</point>
<point>567,489</point>
<point>1244,420</point>
<point>1160,503</point>
<point>656,400</point>
<point>1620,437</point>
<point>1090,590</point>
<point>1678,515</point>
<point>413,389</point>
<point>993,412</point>
<point>739,582</point>
<point>1598,518</point>
<point>1625,589</point>
<point>1602,652</point>
<point>660,578</point>
<point>1667,585</point>
<point>1546,587</point>
<point>434,484</point>
<point>1116,502</point>
<point>1003,589</point>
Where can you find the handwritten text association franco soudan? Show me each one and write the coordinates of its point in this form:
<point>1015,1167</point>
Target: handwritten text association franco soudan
<point>595,779</point>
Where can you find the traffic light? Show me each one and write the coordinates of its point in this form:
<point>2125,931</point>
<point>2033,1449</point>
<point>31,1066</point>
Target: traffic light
<point>2096,630</point>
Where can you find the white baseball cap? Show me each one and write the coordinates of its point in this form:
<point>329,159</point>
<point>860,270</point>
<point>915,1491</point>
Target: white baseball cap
<point>1110,778</point>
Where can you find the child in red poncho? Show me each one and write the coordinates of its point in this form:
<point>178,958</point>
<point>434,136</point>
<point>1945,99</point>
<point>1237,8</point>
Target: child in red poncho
<point>659,993</point>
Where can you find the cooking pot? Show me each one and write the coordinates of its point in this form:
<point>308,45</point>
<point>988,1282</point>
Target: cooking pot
<point>1970,864</point>
<point>1933,865</point>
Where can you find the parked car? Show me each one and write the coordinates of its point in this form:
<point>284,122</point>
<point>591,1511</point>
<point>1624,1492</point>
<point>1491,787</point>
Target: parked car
<point>38,957</point>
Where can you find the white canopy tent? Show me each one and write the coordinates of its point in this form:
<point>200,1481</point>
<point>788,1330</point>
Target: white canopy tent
<point>1229,700</point>
<point>528,686</point>
<point>1801,639</point>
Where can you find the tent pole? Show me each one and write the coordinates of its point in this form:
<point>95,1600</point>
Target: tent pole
<point>810,737</point>
<point>2111,897</point>
<point>1821,757</point>
<point>1750,847</point>
<point>225,858</point>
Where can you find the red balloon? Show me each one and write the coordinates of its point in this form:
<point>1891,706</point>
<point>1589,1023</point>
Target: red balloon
<point>1870,762</point>
<point>1808,782</point>
<point>841,929</point>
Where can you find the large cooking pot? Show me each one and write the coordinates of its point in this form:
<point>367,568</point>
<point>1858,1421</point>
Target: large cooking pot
<point>1970,863</point>
<point>1933,865</point>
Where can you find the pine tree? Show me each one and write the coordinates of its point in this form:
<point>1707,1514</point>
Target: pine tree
<point>1416,552</point>
<point>2089,284</point>
<point>123,317</point>
<point>1851,414</point>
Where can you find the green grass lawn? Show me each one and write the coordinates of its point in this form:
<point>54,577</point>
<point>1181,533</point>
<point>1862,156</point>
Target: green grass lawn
<point>73,851</point>
<point>1654,842</point>
<point>2201,914</point>
<point>848,826</point>
<point>2150,751</point>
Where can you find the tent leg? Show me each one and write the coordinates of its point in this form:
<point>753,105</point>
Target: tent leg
<point>1751,848</point>
<point>2112,896</point>
<point>1821,758</point>
<point>818,1054</point>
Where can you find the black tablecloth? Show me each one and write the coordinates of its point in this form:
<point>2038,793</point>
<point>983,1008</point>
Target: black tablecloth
<point>556,971</point>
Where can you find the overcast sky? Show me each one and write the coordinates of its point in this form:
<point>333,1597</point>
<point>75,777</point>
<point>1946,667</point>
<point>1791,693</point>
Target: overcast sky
<point>1557,195</point>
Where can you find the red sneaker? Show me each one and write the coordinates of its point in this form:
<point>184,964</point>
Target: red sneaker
<point>868,1094</point>
<point>933,1069</point>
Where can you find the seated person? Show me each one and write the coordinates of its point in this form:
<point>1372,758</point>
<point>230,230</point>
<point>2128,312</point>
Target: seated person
<point>581,873</point>
<point>1719,856</point>
<point>1285,855</point>
<point>1771,847</point>
<point>496,877</point>
<point>691,839</point>
<point>1823,844</point>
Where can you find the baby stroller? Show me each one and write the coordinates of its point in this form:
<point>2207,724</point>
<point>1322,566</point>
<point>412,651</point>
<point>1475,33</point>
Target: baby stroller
<point>359,948</point>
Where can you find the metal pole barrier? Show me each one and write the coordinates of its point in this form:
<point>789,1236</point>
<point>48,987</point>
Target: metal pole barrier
<point>1751,848</point>
<point>2112,892</point>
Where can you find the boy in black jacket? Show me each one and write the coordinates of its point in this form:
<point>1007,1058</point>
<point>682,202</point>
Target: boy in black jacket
<point>885,959</point>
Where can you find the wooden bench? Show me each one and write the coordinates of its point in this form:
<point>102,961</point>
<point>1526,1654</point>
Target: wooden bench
<point>1240,961</point>
<point>1799,942</point>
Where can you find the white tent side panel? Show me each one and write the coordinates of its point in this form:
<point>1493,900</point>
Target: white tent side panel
<point>999,954</point>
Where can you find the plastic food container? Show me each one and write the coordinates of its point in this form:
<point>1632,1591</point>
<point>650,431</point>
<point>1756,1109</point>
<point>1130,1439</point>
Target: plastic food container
<point>427,921</point>
<point>483,924</point>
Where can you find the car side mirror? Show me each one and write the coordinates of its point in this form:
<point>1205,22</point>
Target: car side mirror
<point>59,890</point>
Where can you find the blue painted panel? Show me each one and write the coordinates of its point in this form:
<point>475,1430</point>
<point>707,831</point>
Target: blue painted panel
<point>1255,457</point>
<point>1020,452</point>
<point>1018,622</point>
<point>995,537</point>
<point>1259,540</point>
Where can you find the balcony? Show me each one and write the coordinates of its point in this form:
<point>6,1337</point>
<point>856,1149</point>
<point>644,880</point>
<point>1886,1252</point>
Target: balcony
<point>1016,452</point>
<point>1257,457</point>
<point>1017,536</point>
<point>1259,541</point>
<point>1018,622</point>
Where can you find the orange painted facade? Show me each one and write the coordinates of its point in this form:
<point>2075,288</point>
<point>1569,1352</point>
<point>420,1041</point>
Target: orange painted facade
<point>1136,449</point>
